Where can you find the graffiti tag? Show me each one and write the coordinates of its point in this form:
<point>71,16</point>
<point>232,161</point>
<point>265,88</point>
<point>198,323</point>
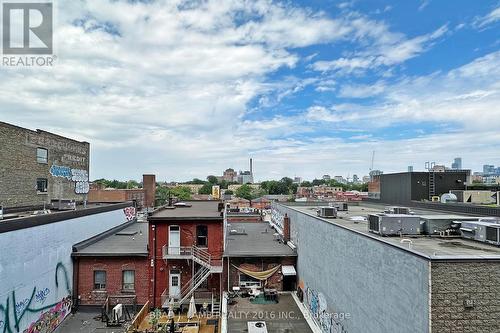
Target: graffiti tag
<point>12,318</point>
<point>41,295</point>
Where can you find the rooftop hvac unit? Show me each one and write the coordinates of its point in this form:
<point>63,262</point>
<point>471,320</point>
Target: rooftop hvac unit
<point>257,327</point>
<point>327,212</point>
<point>398,210</point>
<point>394,224</point>
<point>341,206</point>
<point>436,224</point>
<point>1,212</point>
<point>63,204</point>
<point>486,232</point>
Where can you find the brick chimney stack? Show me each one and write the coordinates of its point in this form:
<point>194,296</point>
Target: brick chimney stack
<point>149,185</point>
<point>286,228</point>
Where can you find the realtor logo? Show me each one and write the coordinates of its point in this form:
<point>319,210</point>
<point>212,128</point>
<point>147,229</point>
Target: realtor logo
<point>27,28</point>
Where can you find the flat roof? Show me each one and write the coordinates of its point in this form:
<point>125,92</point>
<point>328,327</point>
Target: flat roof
<point>205,210</point>
<point>430,247</point>
<point>26,219</point>
<point>254,239</point>
<point>128,239</point>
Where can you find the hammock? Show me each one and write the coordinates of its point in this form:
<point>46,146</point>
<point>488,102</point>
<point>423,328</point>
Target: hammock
<point>264,275</point>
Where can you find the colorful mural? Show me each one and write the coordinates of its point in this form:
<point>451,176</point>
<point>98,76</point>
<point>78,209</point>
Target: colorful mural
<point>316,303</point>
<point>50,320</point>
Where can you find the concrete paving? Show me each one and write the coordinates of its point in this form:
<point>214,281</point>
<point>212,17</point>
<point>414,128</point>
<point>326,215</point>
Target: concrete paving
<point>284,317</point>
<point>86,321</point>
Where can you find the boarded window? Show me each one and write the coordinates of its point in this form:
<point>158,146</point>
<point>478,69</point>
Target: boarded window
<point>42,155</point>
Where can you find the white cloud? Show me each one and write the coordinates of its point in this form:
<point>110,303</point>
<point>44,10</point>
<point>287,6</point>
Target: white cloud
<point>387,49</point>
<point>490,18</point>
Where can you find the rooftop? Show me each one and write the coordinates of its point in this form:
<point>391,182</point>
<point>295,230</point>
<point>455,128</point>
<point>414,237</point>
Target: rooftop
<point>254,239</point>
<point>29,218</point>
<point>188,210</point>
<point>430,247</point>
<point>129,239</point>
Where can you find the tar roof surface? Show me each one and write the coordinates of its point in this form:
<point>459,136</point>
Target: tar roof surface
<point>429,247</point>
<point>254,239</point>
<point>197,210</point>
<point>129,241</point>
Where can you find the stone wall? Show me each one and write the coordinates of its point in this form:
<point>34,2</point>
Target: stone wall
<point>465,297</point>
<point>19,168</point>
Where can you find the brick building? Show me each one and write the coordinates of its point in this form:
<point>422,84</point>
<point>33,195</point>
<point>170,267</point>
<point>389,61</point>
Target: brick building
<point>114,265</point>
<point>255,247</point>
<point>186,242</point>
<point>140,196</point>
<point>37,167</point>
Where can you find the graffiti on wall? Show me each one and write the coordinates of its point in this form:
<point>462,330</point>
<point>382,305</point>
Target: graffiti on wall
<point>79,176</point>
<point>129,213</point>
<point>12,311</point>
<point>328,322</point>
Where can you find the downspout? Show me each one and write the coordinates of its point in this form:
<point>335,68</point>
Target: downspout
<point>76,273</point>
<point>154,267</point>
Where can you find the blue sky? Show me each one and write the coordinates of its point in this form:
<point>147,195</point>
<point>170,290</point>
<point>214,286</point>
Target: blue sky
<point>185,89</point>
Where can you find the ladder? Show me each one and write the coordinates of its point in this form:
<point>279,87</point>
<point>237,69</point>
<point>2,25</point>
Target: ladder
<point>432,184</point>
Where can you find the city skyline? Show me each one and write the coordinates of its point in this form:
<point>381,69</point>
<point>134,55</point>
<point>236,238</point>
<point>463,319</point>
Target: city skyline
<point>305,88</point>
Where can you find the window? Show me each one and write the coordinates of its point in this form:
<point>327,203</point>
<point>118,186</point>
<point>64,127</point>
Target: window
<point>41,185</point>
<point>128,280</point>
<point>42,155</point>
<point>201,235</point>
<point>99,280</point>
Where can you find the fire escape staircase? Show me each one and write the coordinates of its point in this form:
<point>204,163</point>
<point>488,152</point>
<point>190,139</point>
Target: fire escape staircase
<point>207,267</point>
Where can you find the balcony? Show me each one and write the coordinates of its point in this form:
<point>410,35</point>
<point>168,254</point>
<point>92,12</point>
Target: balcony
<point>182,252</point>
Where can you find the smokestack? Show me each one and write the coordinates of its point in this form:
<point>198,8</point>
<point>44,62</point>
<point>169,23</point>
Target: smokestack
<point>286,228</point>
<point>251,167</point>
<point>149,186</point>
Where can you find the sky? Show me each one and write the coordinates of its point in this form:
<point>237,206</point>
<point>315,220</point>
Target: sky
<point>186,88</point>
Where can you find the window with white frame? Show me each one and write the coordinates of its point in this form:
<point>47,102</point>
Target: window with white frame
<point>128,280</point>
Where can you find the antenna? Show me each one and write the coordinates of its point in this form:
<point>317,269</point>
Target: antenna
<point>373,159</point>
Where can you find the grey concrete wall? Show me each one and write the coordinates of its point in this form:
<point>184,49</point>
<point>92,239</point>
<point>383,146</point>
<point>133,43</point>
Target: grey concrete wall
<point>36,271</point>
<point>382,288</point>
<point>19,168</point>
<point>455,283</point>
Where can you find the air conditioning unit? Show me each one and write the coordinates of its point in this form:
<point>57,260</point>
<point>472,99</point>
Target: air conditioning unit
<point>1,212</point>
<point>486,232</point>
<point>327,212</point>
<point>394,224</point>
<point>63,204</point>
<point>257,327</point>
<point>341,206</point>
<point>397,210</point>
<point>437,224</point>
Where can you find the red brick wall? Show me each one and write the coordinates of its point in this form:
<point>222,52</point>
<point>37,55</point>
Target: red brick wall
<point>258,265</point>
<point>188,238</point>
<point>97,195</point>
<point>113,268</point>
<point>149,185</point>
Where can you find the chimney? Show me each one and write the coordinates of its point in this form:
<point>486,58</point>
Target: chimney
<point>149,186</point>
<point>251,167</point>
<point>286,228</point>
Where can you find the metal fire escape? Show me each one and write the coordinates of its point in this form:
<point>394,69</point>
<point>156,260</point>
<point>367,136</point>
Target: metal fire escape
<point>432,184</point>
<point>206,264</point>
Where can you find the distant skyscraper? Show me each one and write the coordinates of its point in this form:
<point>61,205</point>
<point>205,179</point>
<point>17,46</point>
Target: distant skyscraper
<point>410,168</point>
<point>457,163</point>
<point>326,177</point>
<point>488,169</point>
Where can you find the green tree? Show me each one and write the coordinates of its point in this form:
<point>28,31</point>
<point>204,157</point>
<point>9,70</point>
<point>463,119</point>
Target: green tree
<point>212,180</point>
<point>205,189</point>
<point>228,192</point>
